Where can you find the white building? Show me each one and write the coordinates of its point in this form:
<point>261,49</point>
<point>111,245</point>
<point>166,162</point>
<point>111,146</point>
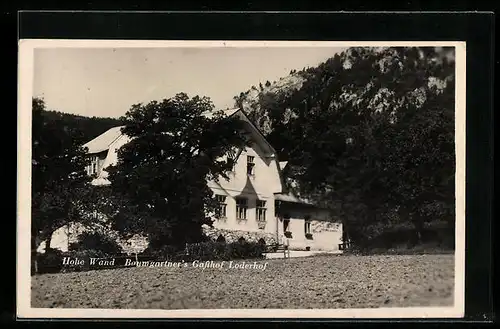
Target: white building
<point>253,203</point>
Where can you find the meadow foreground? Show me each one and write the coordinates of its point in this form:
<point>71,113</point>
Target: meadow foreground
<point>328,281</point>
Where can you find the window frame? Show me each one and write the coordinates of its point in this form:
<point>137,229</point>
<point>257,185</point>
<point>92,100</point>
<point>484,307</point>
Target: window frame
<point>241,206</point>
<point>250,165</point>
<point>261,210</point>
<point>93,166</point>
<point>222,207</point>
<point>307,227</point>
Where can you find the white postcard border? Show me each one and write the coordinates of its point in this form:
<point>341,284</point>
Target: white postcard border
<point>25,93</point>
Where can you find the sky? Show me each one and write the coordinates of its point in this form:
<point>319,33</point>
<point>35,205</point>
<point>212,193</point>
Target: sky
<point>105,82</point>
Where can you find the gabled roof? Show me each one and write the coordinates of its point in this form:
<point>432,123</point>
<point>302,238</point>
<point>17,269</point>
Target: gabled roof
<point>256,132</point>
<point>283,164</point>
<point>103,141</point>
<point>106,140</point>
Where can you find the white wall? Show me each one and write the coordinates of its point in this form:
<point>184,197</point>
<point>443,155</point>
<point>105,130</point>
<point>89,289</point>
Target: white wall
<point>326,232</point>
<point>262,186</point>
<point>112,155</point>
<point>266,180</point>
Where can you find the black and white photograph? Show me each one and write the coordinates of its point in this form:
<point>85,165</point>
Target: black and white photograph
<point>241,179</point>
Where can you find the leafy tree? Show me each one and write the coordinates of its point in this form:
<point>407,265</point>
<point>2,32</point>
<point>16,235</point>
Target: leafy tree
<point>89,128</point>
<point>239,100</point>
<point>161,175</point>
<point>423,141</point>
<point>402,128</point>
<point>59,180</point>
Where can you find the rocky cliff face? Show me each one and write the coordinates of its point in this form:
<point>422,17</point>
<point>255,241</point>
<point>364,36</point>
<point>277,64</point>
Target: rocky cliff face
<point>255,100</point>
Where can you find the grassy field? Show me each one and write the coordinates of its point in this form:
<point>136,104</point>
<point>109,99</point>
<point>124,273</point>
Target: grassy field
<point>328,281</point>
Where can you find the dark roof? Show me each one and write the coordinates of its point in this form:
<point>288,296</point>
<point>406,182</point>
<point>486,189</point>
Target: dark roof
<point>289,197</point>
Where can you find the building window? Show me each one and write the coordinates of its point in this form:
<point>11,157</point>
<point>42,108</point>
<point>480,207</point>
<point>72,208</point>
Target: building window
<point>221,210</point>
<point>250,165</point>
<point>241,208</point>
<point>307,225</point>
<point>261,211</point>
<point>92,167</point>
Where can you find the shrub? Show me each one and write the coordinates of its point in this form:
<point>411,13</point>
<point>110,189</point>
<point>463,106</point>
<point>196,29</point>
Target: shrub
<point>50,261</point>
<point>89,245</point>
<point>245,250</point>
<point>165,253</point>
<point>209,250</point>
<point>98,242</point>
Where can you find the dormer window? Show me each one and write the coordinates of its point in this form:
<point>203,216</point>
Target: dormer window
<point>92,167</point>
<point>250,165</point>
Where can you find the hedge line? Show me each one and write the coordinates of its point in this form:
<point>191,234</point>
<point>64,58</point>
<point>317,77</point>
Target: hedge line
<point>53,260</point>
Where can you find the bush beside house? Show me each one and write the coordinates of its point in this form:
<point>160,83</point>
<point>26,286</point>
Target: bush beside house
<point>88,245</point>
<point>209,250</point>
<point>435,237</point>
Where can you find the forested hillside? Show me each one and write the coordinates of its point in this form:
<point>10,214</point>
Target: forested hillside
<point>369,133</point>
<point>83,128</point>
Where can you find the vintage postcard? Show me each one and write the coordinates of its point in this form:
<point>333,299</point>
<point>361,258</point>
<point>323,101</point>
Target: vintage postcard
<point>241,179</point>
